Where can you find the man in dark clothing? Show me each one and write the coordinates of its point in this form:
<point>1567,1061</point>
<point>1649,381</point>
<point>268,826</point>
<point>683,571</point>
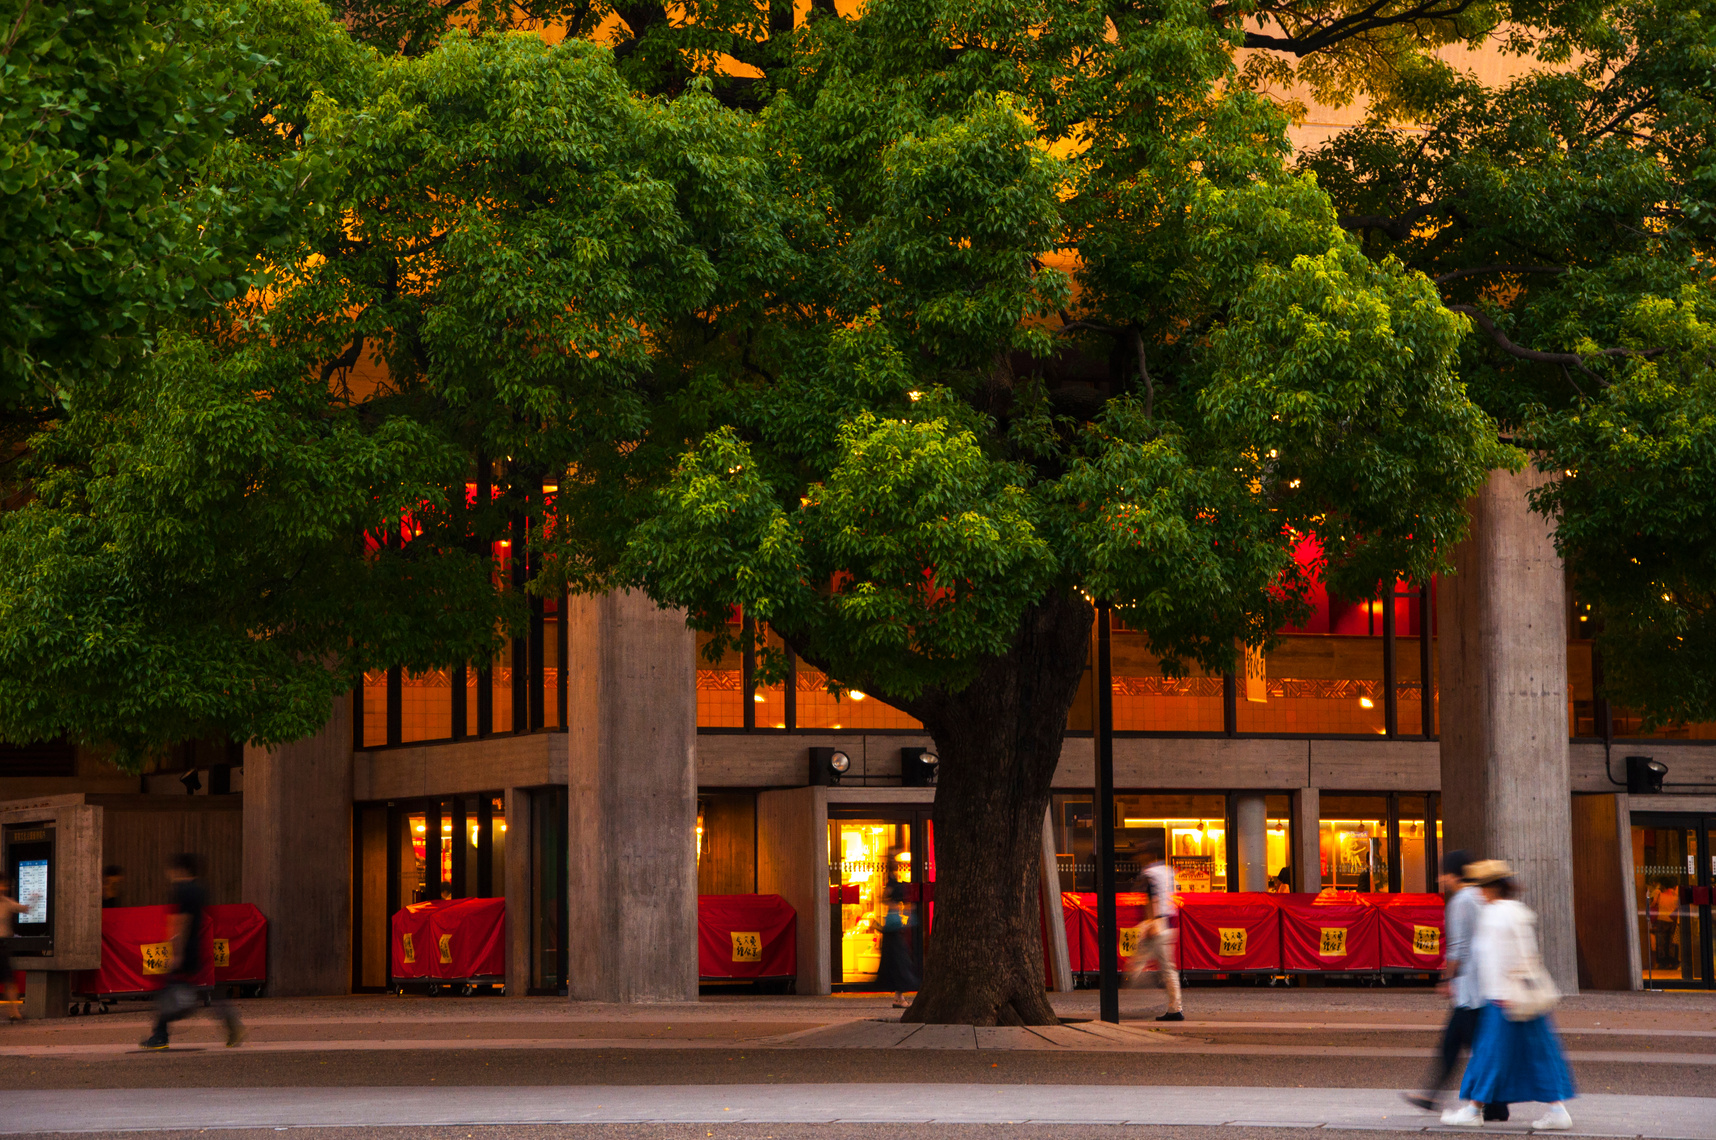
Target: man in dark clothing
<point>112,886</point>
<point>178,997</point>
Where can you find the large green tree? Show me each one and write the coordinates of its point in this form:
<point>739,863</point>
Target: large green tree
<point>911,334</point>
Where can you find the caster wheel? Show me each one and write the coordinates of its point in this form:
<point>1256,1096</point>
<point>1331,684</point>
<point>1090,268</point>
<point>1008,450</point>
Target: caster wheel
<point>467,990</point>
<point>434,991</point>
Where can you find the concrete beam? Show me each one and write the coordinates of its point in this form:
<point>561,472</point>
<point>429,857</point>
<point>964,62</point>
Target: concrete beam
<point>1503,646</point>
<point>298,856</point>
<point>632,791</point>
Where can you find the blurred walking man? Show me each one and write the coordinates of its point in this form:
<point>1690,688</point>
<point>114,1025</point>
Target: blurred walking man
<point>179,997</point>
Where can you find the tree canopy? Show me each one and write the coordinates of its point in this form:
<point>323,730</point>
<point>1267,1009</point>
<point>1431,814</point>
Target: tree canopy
<point>909,328</point>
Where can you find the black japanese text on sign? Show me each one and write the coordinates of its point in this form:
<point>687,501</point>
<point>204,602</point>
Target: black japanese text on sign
<point>747,946</point>
<point>1334,942</point>
<point>1232,941</point>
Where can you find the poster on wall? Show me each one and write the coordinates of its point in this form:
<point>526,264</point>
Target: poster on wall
<point>1193,873</point>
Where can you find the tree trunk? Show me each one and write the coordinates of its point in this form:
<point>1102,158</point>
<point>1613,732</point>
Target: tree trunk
<point>999,741</point>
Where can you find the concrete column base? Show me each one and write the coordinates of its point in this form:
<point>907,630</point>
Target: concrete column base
<point>47,993</point>
<point>632,792</point>
<point>298,856</point>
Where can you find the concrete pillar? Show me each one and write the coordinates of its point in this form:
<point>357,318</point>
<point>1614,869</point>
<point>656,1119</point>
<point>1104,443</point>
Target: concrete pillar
<point>1307,852</point>
<point>520,894</point>
<point>1056,956</point>
<point>47,993</point>
<point>298,856</point>
<point>632,791</point>
<point>1251,819</point>
<point>1502,635</point>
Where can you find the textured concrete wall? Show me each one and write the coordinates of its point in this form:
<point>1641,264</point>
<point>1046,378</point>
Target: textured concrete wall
<point>1502,634</point>
<point>632,787</point>
<point>792,862</point>
<point>298,856</point>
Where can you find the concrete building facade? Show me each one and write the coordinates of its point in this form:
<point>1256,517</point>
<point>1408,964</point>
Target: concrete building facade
<point>604,775</point>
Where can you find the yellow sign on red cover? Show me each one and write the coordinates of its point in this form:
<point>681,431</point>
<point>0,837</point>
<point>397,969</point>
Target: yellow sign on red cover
<point>1334,942</point>
<point>410,947</point>
<point>1232,941</point>
<point>157,957</point>
<point>1426,940</point>
<point>446,944</point>
<point>747,945</point>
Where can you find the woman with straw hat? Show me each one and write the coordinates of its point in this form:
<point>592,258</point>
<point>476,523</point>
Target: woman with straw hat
<point>1516,1056</point>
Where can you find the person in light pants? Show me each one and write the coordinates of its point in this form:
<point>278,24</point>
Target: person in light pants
<point>1160,931</point>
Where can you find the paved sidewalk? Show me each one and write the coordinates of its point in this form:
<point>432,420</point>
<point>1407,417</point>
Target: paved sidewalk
<point>1672,1118</point>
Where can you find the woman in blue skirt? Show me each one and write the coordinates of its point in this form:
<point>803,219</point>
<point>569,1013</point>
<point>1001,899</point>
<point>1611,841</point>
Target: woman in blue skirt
<point>1516,1056</point>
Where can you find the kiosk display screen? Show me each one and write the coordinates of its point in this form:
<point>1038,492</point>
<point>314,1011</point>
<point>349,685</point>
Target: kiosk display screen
<point>33,891</point>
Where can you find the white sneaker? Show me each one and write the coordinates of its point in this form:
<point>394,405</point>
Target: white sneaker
<point>1468,1115</point>
<point>1555,1120</point>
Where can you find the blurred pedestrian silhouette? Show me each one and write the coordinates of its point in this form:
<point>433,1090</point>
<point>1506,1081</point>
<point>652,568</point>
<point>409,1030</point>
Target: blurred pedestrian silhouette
<point>1516,1056</point>
<point>179,996</point>
<point>112,886</point>
<point>897,969</point>
<point>9,907</point>
<point>1464,904</point>
<point>1158,934</point>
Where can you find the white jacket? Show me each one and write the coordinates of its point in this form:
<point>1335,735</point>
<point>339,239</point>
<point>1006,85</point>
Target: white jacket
<point>1503,949</point>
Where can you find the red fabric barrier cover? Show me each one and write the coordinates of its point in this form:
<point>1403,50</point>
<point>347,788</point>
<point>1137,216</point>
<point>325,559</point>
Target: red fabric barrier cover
<point>450,939</point>
<point>746,936</point>
<point>1073,916</point>
<point>1129,910</point>
<point>240,942</point>
<point>136,948</point>
<point>1410,930</point>
<point>1230,932</point>
<point>1329,933</point>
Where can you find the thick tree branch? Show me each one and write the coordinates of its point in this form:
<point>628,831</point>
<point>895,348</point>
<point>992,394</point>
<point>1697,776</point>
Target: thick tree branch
<point>1144,374</point>
<point>1399,227</point>
<point>1576,360</point>
<point>1479,270</point>
<point>1320,34</point>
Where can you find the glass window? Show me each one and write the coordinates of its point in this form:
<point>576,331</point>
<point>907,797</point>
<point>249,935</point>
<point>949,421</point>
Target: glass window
<point>551,663</point>
<point>770,700</point>
<point>1581,674</point>
<point>864,857</point>
<point>1665,869</point>
<point>497,847</point>
<point>548,914</point>
<point>375,708</point>
<point>720,688</point>
<point>1146,699</point>
<point>1322,684</point>
<point>426,710</point>
<point>850,709</point>
<point>413,859</point>
<point>1409,663</point>
<point>500,688</point>
<point>1191,828</point>
<point>1352,842</point>
<point>1417,870</point>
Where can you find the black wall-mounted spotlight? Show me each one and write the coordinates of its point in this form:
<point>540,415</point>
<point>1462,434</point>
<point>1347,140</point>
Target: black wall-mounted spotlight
<point>193,782</point>
<point>918,767</point>
<point>827,765</point>
<point>1644,775</point>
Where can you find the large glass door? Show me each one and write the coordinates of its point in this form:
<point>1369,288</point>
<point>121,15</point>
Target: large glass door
<point>877,858</point>
<point>1672,858</point>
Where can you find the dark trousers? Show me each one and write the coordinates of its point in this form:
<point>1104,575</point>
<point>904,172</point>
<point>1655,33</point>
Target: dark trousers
<point>178,999</point>
<point>1457,1038</point>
